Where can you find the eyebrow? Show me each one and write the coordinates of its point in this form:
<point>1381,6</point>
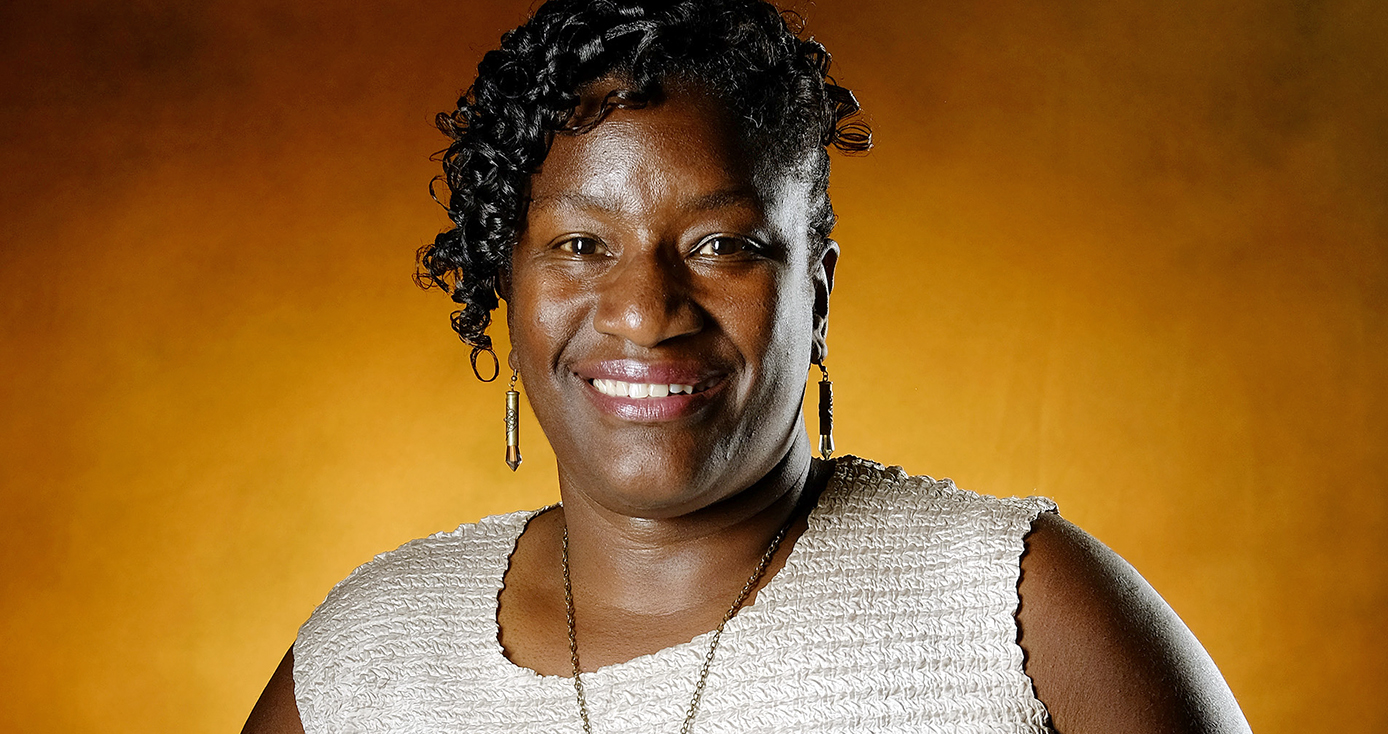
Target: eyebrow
<point>721,199</point>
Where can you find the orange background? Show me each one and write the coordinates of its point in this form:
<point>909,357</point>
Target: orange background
<point>1132,255</point>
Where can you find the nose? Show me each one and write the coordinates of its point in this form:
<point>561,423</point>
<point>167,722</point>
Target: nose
<point>646,299</point>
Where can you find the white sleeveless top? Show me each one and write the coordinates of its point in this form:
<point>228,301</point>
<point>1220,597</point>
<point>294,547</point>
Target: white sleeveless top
<point>893,613</point>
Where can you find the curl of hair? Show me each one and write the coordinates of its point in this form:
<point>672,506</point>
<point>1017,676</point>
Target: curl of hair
<point>745,51</point>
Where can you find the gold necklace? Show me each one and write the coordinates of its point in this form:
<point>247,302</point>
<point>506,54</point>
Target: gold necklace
<point>747,588</point>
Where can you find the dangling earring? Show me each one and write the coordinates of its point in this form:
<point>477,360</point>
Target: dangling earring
<point>826,413</point>
<point>513,455</point>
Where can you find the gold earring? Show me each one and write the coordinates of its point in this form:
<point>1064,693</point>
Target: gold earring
<point>513,454</point>
<point>826,413</point>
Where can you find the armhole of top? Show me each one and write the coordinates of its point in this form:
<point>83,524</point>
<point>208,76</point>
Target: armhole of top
<point>1041,506</point>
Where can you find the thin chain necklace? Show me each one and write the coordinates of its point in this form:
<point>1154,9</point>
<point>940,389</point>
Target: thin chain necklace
<point>747,588</point>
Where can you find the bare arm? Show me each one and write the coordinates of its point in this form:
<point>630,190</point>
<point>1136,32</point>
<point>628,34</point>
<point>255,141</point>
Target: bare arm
<point>1106,653</point>
<point>276,712</point>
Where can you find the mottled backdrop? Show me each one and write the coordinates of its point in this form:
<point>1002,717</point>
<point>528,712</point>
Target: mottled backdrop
<point>1132,255</point>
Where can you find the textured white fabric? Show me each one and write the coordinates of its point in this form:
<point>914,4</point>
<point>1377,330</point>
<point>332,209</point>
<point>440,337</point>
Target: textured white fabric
<point>894,613</point>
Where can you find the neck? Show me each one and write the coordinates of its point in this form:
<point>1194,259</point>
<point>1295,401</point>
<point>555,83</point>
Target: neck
<point>666,566</point>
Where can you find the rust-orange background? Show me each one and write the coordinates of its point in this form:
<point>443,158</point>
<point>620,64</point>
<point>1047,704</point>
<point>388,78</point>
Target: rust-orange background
<point>1131,255</point>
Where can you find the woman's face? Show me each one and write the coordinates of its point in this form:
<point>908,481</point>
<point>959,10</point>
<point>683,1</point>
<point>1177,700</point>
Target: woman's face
<point>664,308</point>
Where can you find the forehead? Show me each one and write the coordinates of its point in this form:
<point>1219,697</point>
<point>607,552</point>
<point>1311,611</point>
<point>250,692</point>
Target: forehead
<point>686,146</point>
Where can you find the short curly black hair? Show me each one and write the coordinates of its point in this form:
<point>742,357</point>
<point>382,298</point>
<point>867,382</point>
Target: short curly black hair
<point>746,52</point>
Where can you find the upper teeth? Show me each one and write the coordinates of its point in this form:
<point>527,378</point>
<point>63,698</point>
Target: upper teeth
<point>620,389</point>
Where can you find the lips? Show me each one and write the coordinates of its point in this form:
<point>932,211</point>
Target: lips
<point>646,392</point>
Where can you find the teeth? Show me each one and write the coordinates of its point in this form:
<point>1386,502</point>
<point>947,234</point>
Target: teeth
<point>617,388</point>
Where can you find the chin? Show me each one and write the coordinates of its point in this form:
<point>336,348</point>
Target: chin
<point>639,481</point>
<point>650,485</point>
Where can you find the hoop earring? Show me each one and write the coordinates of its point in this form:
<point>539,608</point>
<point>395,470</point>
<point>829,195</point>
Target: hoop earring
<point>826,413</point>
<point>496,364</point>
<point>513,454</point>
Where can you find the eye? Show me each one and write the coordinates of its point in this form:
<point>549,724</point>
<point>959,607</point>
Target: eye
<point>582,245</point>
<point>723,246</point>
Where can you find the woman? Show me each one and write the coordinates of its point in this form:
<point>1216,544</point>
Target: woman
<point>645,183</point>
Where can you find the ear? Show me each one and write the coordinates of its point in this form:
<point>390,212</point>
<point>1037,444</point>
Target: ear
<point>503,284</point>
<point>503,291</point>
<point>823,277</point>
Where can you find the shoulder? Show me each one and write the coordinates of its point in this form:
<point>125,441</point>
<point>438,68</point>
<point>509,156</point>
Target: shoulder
<point>384,626</point>
<point>870,492</point>
<point>931,571</point>
<point>421,568</point>
<point>961,546</point>
<point>1104,650</point>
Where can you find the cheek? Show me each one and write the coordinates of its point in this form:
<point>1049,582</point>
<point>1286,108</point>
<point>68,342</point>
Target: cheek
<point>774,324</point>
<point>546,311</point>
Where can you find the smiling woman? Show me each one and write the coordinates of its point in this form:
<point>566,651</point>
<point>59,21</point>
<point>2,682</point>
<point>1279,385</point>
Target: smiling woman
<point>653,257</point>
<point>645,184</point>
